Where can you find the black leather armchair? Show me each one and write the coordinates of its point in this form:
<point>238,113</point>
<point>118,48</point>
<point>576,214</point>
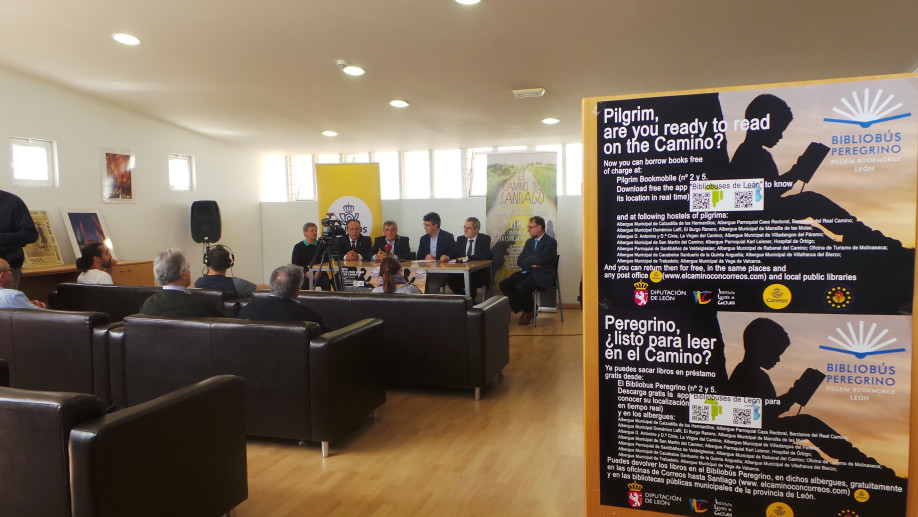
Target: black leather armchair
<point>182,454</point>
<point>53,351</point>
<point>300,384</point>
<point>430,340</point>
<point>119,301</point>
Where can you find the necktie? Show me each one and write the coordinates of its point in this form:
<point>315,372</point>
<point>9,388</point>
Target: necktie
<point>468,252</point>
<point>535,244</point>
<point>353,245</point>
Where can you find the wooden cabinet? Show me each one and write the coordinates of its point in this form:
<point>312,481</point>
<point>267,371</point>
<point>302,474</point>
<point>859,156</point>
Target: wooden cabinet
<point>37,282</point>
<point>133,273</point>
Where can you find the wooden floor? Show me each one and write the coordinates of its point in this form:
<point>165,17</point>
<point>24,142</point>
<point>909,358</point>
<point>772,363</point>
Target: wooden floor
<point>516,452</point>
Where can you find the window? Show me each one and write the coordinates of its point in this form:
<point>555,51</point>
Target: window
<point>357,158</point>
<point>478,159</point>
<point>448,173</point>
<point>389,177</point>
<point>34,162</point>
<point>181,172</point>
<point>301,178</point>
<point>417,175</point>
<point>328,158</point>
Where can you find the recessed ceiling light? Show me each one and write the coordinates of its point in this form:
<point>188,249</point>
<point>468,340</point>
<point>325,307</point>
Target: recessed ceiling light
<point>350,69</point>
<point>467,2</point>
<point>399,103</point>
<point>330,133</point>
<point>126,39</point>
<point>550,121</point>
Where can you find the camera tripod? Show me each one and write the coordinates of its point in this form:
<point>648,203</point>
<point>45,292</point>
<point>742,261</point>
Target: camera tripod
<point>326,252</point>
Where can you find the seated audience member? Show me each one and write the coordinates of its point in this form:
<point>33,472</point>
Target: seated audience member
<point>398,246</point>
<point>172,271</point>
<point>435,244</point>
<point>471,246</point>
<point>303,254</point>
<point>354,246</point>
<point>218,260</point>
<point>11,298</point>
<point>96,263</point>
<point>391,281</point>
<point>537,261</point>
<point>282,304</point>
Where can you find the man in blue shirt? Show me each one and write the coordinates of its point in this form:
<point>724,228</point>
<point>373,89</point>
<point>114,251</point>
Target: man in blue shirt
<point>11,298</point>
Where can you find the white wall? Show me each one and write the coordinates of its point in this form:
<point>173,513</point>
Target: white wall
<point>282,227</point>
<point>159,218</point>
<point>261,235</point>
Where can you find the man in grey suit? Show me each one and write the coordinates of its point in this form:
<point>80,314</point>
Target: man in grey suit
<point>471,246</point>
<point>537,263</point>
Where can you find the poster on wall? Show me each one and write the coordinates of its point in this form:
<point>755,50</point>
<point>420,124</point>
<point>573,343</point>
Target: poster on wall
<point>756,272</point>
<point>520,186</point>
<point>349,191</point>
<point>84,227</point>
<point>44,251</point>
<point>117,181</point>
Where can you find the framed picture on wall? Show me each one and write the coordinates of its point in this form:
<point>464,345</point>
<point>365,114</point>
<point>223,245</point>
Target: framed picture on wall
<point>85,226</point>
<point>117,180</point>
<point>44,251</point>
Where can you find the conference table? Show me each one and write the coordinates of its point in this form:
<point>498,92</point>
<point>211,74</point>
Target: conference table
<point>428,266</point>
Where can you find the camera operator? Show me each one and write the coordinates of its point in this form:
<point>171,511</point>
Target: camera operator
<point>355,246</point>
<point>303,253</point>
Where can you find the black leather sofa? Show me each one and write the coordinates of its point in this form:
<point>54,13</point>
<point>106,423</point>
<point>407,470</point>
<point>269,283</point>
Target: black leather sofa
<point>53,351</point>
<point>119,301</point>
<point>300,384</point>
<point>182,454</point>
<point>438,340</point>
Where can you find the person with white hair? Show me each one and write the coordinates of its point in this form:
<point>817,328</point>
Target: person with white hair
<point>173,272</point>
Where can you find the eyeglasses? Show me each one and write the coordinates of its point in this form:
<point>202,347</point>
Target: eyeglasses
<point>469,227</point>
<point>531,226</point>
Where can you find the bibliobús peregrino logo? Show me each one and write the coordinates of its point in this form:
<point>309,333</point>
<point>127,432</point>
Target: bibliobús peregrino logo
<point>862,342</point>
<point>866,111</point>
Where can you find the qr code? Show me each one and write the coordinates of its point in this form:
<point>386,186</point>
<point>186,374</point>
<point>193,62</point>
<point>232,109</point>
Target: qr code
<point>701,413</point>
<point>742,199</point>
<point>742,416</point>
<point>701,200</point>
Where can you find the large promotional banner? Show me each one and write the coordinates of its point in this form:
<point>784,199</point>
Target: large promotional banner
<point>351,191</point>
<point>756,272</point>
<point>520,186</point>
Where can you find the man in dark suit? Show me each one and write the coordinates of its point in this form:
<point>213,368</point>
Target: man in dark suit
<point>436,244</point>
<point>282,304</point>
<point>398,245</point>
<point>471,246</point>
<point>354,245</point>
<point>537,264</point>
<point>172,271</point>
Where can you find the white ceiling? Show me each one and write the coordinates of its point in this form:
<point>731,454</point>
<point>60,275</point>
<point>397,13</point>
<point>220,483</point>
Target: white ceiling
<point>263,75</point>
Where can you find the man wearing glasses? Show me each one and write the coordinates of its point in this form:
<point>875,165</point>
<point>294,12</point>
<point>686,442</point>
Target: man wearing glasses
<point>11,298</point>
<point>398,246</point>
<point>471,246</point>
<point>537,263</point>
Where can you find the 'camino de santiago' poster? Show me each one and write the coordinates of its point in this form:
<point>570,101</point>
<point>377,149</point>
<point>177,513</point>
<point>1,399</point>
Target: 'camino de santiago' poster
<point>756,265</point>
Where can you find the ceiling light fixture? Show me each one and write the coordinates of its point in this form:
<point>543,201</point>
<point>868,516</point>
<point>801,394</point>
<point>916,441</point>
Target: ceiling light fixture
<point>467,2</point>
<point>550,121</point>
<point>350,69</point>
<point>399,103</point>
<point>527,93</point>
<point>330,133</point>
<point>126,39</point>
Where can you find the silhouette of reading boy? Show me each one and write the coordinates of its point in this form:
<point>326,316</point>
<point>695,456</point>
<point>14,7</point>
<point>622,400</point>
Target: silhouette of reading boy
<point>764,341</point>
